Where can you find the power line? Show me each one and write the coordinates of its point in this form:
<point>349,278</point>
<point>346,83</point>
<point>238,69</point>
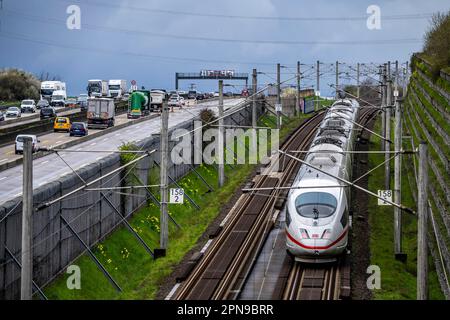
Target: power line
<point>211,39</point>
<point>412,16</point>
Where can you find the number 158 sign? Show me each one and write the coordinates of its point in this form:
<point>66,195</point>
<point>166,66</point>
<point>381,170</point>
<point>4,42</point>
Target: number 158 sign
<point>176,195</point>
<point>385,194</point>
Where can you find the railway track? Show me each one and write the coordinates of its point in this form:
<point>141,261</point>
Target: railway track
<point>222,271</point>
<point>322,282</point>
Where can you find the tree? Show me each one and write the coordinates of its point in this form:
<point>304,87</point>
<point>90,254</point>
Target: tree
<point>17,84</point>
<point>437,41</point>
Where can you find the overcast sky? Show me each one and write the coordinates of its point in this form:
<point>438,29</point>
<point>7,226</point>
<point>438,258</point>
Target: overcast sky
<point>124,39</point>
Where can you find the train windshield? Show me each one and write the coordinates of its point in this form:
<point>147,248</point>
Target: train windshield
<point>315,204</point>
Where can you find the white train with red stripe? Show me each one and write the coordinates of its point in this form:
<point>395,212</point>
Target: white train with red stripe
<point>317,212</point>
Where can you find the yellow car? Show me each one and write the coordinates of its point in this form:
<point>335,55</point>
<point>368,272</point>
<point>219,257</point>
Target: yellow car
<point>61,124</point>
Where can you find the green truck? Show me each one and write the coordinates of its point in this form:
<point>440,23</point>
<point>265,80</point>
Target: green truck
<point>139,104</point>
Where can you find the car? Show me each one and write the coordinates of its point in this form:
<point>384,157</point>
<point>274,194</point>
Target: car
<point>13,112</point>
<point>82,101</point>
<point>199,96</point>
<point>42,104</point>
<point>47,113</point>
<point>18,148</point>
<point>61,124</point>
<point>176,101</point>
<point>78,129</point>
<point>228,94</point>
<point>216,95</point>
<point>2,116</point>
<point>192,94</point>
<point>28,106</point>
<point>71,103</point>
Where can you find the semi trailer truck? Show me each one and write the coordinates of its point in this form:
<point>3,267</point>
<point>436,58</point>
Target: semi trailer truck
<point>48,87</point>
<point>97,88</point>
<point>117,88</point>
<point>101,113</point>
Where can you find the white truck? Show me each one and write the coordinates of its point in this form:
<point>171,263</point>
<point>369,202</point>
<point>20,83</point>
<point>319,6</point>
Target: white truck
<point>117,88</point>
<point>157,98</point>
<point>58,98</point>
<point>101,113</point>
<point>97,88</point>
<point>48,87</point>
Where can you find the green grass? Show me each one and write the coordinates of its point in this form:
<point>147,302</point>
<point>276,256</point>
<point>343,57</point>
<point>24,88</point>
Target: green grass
<point>129,264</point>
<point>398,280</point>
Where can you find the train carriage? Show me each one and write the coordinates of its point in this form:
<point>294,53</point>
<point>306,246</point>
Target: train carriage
<point>317,212</point>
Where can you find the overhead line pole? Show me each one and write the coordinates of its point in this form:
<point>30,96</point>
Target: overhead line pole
<point>337,79</point>
<point>357,81</point>
<point>278,96</point>
<point>383,105</point>
<point>387,167</point>
<point>397,183</point>
<point>164,155</point>
<point>317,84</point>
<point>422,228</point>
<point>254,89</point>
<point>297,100</point>
<point>220,140</point>
<point>26,274</point>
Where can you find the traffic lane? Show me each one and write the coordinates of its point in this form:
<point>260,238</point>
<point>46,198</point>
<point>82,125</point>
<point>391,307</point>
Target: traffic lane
<point>25,116</point>
<point>50,167</point>
<point>48,140</point>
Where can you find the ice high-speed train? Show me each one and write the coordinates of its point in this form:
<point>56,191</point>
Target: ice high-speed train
<point>317,213</point>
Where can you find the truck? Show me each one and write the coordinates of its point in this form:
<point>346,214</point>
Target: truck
<point>48,87</point>
<point>138,104</point>
<point>101,113</point>
<point>58,98</point>
<point>157,99</point>
<point>97,88</point>
<point>117,88</point>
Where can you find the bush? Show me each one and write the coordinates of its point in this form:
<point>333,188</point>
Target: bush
<point>437,42</point>
<point>16,85</point>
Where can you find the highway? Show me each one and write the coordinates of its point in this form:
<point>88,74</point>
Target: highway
<point>50,167</point>
<point>29,117</point>
<point>52,139</point>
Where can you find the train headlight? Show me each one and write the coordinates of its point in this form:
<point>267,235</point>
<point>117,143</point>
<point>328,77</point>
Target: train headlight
<point>304,234</point>
<point>326,234</point>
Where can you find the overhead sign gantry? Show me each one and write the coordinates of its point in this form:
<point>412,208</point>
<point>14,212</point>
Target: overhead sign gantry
<point>211,75</point>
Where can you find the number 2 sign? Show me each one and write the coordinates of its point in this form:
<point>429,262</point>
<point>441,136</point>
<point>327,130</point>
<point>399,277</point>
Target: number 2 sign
<point>176,195</point>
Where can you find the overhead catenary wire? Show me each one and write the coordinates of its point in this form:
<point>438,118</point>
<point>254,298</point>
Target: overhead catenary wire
<point>391,17</point>
<point>216,39</point>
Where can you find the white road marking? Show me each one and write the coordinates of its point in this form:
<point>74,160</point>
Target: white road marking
<point>105,139</point>
<point>3,160</point>
<point>3,178</point>
<point>117,134</point>
<point>59,141</point>
<point>44,162</point>
<point>79,149</point>
<point>93,143</point>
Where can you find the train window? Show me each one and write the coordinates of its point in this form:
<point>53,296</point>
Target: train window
<point>315,204</point>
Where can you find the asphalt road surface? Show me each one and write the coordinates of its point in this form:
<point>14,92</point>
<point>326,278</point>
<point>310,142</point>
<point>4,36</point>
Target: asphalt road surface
<point>49,168</point>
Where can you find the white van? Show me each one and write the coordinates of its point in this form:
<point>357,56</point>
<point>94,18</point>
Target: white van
<point>58,98</point>
<point>19,143</point>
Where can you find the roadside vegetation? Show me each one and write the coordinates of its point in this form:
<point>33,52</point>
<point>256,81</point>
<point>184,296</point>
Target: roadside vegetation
<point>398,280</point>
<point>129,264</point>
<point>16,85</point>
<point>437,43</point>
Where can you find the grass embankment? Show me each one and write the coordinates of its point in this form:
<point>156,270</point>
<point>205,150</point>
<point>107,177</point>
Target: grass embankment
<point>398,280</point>
<point>129,264</point>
